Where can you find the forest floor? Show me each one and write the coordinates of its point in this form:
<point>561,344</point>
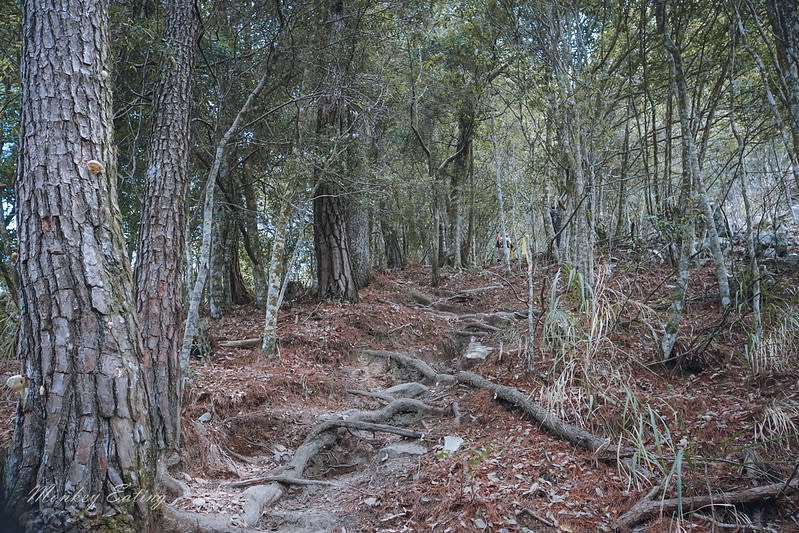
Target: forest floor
<point>707,422</point>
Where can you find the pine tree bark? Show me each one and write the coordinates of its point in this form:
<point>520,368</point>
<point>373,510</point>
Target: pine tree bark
<point>395,258</point>
<point>83,430</point>
<point>358,229</point>
<point>331,242</point>
<point>161,238</point>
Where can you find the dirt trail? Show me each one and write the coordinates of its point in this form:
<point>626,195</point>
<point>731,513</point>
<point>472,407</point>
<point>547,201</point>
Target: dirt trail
<point>246,417</point>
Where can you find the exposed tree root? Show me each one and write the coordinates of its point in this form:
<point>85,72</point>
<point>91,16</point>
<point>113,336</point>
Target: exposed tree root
<point>401,411</point>
<point>410,362</point>
<point>548,420</point>
<point>281,479</point>
<point>175,521</point>
<point>470,333</point>
<point>602,448</point>
<point>649,507</point>
<point>165,483</point>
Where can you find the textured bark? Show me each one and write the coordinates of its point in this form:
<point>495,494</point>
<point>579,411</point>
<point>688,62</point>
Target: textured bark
<point>218,281</point>
<point>395,258</point>
<point>161,238</point>
<point>82,427</point>
<point>358,225</point>
<point>335,274</point>
<point>649,507</point>
<point>331,242</point>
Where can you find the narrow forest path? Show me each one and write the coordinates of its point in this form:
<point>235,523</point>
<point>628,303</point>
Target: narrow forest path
<point>474,443</point>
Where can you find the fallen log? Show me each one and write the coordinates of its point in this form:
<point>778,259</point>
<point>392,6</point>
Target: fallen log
<point>243,343</point>
<point>649,507</point>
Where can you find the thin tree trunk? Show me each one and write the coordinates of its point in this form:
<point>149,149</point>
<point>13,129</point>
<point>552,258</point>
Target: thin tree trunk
<point>754,267</point>
<point>193,316</point>
<point>791,148</point>
<point>218,279</point>
<point>531,322</point>
<point>500,199</point>
<point>83,424</point>
<point>274,294</point>
<point>678,299</point>
<point>689,147</point>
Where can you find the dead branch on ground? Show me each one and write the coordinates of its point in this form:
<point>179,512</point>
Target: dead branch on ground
<point>548,420</point>
<point>600,447</point>
<point>243,343</point>
<point>649,507</point>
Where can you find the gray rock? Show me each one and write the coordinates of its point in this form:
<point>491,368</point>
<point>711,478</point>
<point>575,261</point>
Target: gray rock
<point>402,448</point>
<point>407,390</point>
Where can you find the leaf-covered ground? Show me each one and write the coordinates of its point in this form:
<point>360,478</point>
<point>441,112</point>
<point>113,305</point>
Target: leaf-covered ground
<point>701,423</point>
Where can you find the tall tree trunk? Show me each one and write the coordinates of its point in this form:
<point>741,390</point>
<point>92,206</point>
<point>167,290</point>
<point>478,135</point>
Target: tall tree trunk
<point>784,18</point>
<point>83,425</point>
<point>331,242</point>
<point>395,258</point>
<point>161,238</point>
<point>218,279</point>
<point>358,229</point>
<point>503,230</point>
<point>460,175</point>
